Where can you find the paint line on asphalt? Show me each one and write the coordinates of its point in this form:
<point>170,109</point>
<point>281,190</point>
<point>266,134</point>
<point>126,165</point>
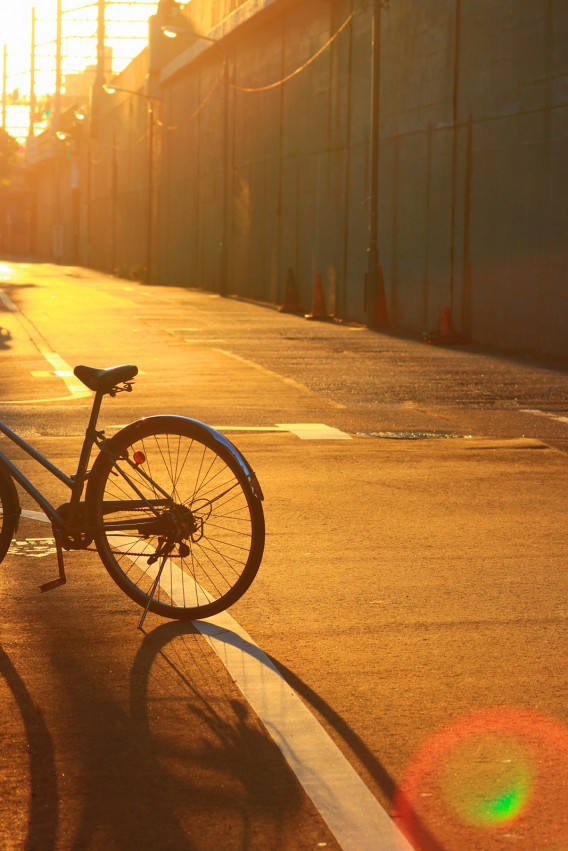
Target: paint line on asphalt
<point>549,415</point>
<point>35,515</point>
<point>305,431</point>
<point>33,547</point>
<point>61,368</point>
<point>273,374</point>
<point>67,398</point>
<point>258,429</point>
<point>7,302</point>
<point>64,371</point>
<point>350,810</point>
<point>314,431</point>
<point>348,807</point>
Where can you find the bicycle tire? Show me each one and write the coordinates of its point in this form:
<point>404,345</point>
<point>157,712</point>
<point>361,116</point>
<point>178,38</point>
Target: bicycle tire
<point>9,511</point>
<point>218,518</point>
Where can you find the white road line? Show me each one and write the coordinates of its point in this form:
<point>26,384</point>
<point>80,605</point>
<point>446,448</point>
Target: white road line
<point>66,398</point>
<point>546,414</point>
<point>33,547</point>
<point>350,810</point>
<point>254,429</point>
<point>35,515</point>
<point>345,803</point>
<point>273,374</point>
<point>61,368</point>
<point>258,429</point>
<point>64,371</point>
<point>7,302</point>
<point>314,431</point>
<point>305,431</point>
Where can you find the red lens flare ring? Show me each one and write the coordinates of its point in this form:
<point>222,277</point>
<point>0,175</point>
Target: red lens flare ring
<point>489,775</point>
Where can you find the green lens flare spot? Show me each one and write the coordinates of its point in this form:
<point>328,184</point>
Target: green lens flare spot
<point>487,780</point>
<point>507,806</point>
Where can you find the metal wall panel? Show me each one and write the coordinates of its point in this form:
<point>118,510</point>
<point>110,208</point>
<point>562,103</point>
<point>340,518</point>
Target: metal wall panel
<point>473,159</point>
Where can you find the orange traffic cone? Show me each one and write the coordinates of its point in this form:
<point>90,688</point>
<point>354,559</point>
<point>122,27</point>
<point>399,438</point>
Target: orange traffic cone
<point>291,300</point>
<point>446,324</point>
<point>318,308</point>
<point>382,309</point>
<point>446,335</point>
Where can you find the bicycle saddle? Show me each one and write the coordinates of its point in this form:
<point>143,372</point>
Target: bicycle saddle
<point>104,380</point>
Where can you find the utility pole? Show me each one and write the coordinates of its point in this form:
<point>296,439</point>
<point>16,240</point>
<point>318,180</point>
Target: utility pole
<point>150,200</point>
<point>57,97</point>
<point>100,73</point>
<point>375,287</point>
<point>4,81</point>
<point>57,227</point>
<point>32,76</point>
<point>223,259</point>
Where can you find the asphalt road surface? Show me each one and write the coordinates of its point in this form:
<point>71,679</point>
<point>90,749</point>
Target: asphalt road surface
<point>396,675</point>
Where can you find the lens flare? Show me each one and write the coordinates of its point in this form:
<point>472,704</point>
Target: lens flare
<point>492,774</point>
<point>487,779</point>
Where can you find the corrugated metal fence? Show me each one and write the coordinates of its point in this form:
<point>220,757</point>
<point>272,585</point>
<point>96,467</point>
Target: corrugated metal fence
<point>255,161</point>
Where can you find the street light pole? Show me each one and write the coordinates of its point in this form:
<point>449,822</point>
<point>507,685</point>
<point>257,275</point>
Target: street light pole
<point>4,81</point>
<point>32,74</point>
<point>100,71</point>
<point>150,202</point>
<point>374,281</point>
<point>223,253</point>
<point>57,95</point>
<point>57,227</point>
<point>110,89</point>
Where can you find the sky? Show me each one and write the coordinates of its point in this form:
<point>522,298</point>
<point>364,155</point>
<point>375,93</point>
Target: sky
<point>126,33</point>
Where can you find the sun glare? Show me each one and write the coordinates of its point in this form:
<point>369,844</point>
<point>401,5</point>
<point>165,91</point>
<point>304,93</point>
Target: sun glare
<point>126,32</point>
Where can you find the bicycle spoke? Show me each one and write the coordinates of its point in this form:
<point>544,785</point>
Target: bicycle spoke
<point>175,507</point>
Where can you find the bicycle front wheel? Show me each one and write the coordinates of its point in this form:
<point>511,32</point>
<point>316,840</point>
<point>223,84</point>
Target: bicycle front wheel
<point>175,519</point>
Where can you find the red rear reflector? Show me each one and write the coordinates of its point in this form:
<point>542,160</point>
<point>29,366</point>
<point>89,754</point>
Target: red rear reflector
<point>139,457</point>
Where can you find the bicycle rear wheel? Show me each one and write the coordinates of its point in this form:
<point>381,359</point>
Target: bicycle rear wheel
<point>176,519</point>
<point>9,511</point>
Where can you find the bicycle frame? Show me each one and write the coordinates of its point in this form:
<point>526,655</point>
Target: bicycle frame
<point>75,483</point>
<point>142,505</point>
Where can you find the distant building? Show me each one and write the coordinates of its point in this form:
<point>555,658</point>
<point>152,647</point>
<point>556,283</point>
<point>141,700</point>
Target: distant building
<point>77,87</point>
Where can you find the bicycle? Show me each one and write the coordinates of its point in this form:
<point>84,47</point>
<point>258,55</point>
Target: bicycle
<point>172,506</point>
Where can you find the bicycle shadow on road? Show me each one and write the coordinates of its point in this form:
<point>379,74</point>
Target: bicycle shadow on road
<point>218,758</point>
<point>43,799</point>
<point>354,743</point>
<point>166,751</point>
<point>163,635</point>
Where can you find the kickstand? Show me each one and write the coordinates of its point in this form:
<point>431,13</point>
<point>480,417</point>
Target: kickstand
<point>62,579</point>
<point>151,595</point>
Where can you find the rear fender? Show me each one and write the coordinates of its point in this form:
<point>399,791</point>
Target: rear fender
<point>210,435</point>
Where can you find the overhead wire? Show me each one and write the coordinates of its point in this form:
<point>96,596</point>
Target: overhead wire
<point>250,89</point>
<point>306,64</point>
<point>217,85</point>
<point>244,89</point>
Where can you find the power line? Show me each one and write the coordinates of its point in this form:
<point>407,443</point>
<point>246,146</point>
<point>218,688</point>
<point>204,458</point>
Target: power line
<point>70,45</point>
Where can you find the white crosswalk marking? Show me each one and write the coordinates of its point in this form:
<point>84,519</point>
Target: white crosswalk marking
<point>549,414</point>
<point>314,431</point>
